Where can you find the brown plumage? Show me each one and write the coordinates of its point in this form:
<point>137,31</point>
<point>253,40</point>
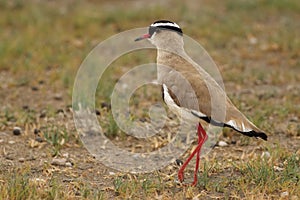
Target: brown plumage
<point>211,99</point>
<point>190,91</point>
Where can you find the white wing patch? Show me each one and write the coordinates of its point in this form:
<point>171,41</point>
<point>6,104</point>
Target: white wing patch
<point>192,114</point>
<point>185,113</point>
<point>168,99</point>
<point>240,128</point>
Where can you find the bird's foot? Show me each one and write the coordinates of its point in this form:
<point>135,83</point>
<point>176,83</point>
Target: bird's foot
<point>180,176</point>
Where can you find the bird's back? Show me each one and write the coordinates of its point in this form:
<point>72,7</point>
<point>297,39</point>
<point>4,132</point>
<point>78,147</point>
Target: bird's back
<point>192,88</point>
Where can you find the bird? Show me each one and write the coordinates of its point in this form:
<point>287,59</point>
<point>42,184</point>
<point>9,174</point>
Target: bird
<point>196,103</point>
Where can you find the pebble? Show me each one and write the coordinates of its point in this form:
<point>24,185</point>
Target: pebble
<point>36,131</point>
<point>1,141</point>
<point>66,155</point>
<point>233,142</point>
<point>39,139</point>
<point>179,162</point>
<point>21,159</point>
<point>60,110</point>
<point>25,107</point>
<point>41,82</point>
<point>68,164</point>
<point>59,161</point>
<point>43,113</point>
<point>284,194</point>
<point>17,130</point>
<point>34,88</point>
<point>43,155</point>
<point>265,154</point>
<point>278,169</point>
<point>294,119</point>
<point>97,112</point>
<point>105,105</point>
<point>58,97</point>
<point>222,144</point>
<point>111,173</point>
<point>11,142</point>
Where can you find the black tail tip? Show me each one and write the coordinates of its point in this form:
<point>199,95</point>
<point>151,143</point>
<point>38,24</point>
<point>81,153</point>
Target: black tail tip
<point>263,136</point>
<point>256,134</point>
<point>260,135</point>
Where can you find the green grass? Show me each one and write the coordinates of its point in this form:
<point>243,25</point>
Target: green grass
<point>23,186</point>
<point>56,138</point>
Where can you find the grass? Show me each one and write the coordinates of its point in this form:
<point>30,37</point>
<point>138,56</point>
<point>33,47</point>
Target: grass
<point>42,46</point>
<point>23,186</point>
<point>56,138</point>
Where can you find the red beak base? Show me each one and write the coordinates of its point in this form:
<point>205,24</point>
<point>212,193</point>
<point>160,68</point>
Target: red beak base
<point>143,37</point>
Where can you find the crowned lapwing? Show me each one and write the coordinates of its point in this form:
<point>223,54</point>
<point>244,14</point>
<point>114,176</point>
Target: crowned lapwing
<point>167,36</point>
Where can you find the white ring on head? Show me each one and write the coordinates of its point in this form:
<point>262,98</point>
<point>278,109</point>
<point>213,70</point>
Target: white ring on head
<point>165,24</point>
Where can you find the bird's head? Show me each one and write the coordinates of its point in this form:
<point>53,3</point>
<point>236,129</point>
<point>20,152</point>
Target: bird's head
<point>162,33</point>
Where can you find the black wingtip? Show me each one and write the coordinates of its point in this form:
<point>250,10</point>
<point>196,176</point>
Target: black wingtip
<point>256,134</point>
<point>263,136</point>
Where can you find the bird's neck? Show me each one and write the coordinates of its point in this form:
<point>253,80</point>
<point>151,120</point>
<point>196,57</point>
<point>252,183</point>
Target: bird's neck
<point>168,57</point>
<point>168,54</point>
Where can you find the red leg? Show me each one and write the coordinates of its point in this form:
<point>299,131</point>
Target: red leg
<point>202,136</point>
<point>201,140</point>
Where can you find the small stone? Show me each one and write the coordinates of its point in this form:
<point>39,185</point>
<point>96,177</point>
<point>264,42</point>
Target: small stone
<point>36,131</point>
<point>66,155</point>
<point>69,180</point>
<point>9,157</point>
<point>43,114</point>
<point>233,142</point>
<point>41,82</point>
<point>294,119</point>
<point>25,107</point>
<point>38,180</point>
<point>252,40</point>
<point>97,112</point>
<point>265,154</point>
<point>284,194</point>
<point>105,105</point>
<point>179,162</point>
<point>222,144</point>
<point>1,141</point>
<point>59,161</point>
<point>17,130</point>
<point>39,139</point>
<point>21,159</point>
<point>34,88</point>
<point>111,173</point>
<point>59,111</point>
<point>78,43</point>
<point>278,169</point>
<point>68,164</point>
<point>143,119</point>
<point>58,97</point>
<point>43,155</point>
<point>11,142</point>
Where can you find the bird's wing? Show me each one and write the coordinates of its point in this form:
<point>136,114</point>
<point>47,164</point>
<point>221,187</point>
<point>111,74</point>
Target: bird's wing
<point>193,89</point>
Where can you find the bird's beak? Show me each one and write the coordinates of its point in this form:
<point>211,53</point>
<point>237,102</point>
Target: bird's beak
<point>143,37</point>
